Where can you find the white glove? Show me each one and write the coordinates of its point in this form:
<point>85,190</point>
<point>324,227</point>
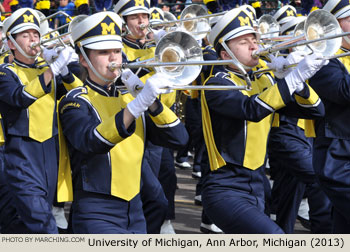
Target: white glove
<point>280,63</point>
<point>154,86</point>
<point>158,34</point>
<point>49,55</point>
<point>132,82</point>
<point>59,66</point>
<point>74,57</point>
<point>304,71</point>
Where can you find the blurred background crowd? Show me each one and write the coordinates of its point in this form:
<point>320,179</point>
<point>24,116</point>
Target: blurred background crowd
<point>76,7</point>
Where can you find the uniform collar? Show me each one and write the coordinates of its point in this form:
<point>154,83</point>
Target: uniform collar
<point>102,90</point>
<point>136,44</point>
<point>24,65</point>
<point>344,49</point>
<point>238,74</point>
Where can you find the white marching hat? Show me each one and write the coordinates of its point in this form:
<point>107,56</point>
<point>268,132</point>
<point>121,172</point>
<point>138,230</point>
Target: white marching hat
<point>130,7</point>
<point>290,25</point>
<point>21,20</point>
<point>250,10</point>
<point>285,14</point>
<point>339,8</point>
<point>156,15</point>
<point>101,30</point>
<point>234,23</point>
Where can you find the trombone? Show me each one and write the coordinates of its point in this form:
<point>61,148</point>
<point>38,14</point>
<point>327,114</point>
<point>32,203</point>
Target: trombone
<point>179,56</point>
<point>71,25</point>
<point>193,19</point>
<point>268,26</point>
<point>322,33</point>
<point>320,24</point>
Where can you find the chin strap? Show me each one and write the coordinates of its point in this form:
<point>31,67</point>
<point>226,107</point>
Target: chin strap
<point>242,68</point>
<point>94,69</point>
<point>20,49</point>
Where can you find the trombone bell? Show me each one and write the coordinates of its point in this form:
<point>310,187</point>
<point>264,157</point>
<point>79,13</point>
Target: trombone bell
<point>189,25</point>
<point>199,27</point>
<point>171,55</point>
<point>320,24</point>
<point>179,46</point>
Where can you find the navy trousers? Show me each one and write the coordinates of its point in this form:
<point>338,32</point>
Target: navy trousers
<point>154,202</point>
<point>31,177</point>
<point>94,213</point>
<point>332,165</point>
<point>168,180</point>
<point>233,198</point>
<point>290,158</point>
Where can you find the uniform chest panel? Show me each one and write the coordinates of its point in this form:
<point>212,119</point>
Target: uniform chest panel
<point>40,113</point>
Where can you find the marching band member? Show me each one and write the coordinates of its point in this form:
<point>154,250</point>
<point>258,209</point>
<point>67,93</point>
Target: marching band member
<point>137,47</point>
<point>236,126</point>
<point>332,145</point>
<point>290,159</point>
<point>28,104</point>
<point>194,127</point>
<point>105,132</point>
<point>285,14</point>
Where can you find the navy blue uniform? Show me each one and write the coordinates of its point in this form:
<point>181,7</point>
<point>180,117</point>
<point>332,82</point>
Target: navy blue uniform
<point>235,127</point>
<point>155,203</point>
<point>332,143</point>
<point>106,158</point>
<point>28,108</point>
<point>290,159</point>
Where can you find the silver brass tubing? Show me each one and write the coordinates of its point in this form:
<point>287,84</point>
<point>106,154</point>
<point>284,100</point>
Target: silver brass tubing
<point>188,19</point>
<point>294,65</point>
<point>188,87</point>
<point>112,66</point>
<point>294,43</point>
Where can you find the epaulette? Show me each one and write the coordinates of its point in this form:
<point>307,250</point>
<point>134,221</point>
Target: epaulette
<point>221,75</point>
<point>5,65</point>
<point>221,78</point>
<point>76,92</point>
<point>209,48</point>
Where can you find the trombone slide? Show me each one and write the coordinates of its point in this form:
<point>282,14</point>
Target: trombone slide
<point>189,87</point>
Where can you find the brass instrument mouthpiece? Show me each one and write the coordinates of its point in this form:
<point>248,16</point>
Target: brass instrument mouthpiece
<point>34,45</point>
<point>112,66</point>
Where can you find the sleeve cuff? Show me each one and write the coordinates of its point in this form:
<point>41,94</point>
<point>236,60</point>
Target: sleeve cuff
<point>35,91</point>
<point>308,97</point>
<point>284,91</point>
<point>47,89</point>
<point>123,132</point>
<point>158,110</point>
<point>112,131</point>
<point>69,78</point>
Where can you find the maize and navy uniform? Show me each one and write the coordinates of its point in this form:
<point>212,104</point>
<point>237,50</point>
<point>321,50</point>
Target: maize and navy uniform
<point>236,125</point>
<point>105,158</point>
<point>332,142</point>
<point>106,164</point>
<point>28,109</point>
<point>152,195</point>
<point>290,159</point>
<point>233,192</point>
<point>332,145</point>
